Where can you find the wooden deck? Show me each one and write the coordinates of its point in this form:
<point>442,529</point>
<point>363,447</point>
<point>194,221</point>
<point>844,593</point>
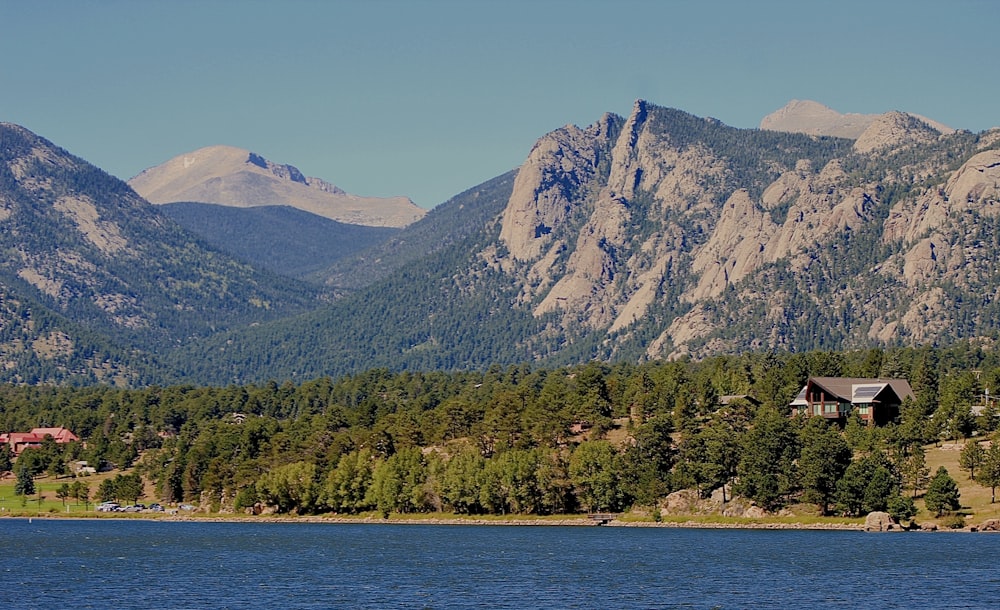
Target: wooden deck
<point>602,518</point>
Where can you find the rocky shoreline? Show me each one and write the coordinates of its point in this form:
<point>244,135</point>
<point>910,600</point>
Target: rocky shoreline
<point>992,525</point>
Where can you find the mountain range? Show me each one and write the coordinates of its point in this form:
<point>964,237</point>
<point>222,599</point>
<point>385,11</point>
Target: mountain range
<point>656,235</point>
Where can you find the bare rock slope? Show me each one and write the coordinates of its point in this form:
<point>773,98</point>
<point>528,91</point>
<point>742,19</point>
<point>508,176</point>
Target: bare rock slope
<point>675,231</point>
<point>231,176</point>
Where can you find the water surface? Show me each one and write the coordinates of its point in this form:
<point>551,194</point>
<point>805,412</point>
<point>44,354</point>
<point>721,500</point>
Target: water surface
<point>160,564</point>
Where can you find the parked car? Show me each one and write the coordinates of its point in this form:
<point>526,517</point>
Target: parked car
<point>108,507</point>
<point>186,507</point>
<point>156,508</point>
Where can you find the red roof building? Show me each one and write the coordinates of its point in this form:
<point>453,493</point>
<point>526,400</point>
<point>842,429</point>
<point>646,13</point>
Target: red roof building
<point>19,441</point>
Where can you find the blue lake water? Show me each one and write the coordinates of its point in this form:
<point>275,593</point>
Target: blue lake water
<point>158,564</point>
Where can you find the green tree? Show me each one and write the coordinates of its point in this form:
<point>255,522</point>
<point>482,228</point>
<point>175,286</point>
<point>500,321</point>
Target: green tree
<point>592,469</point>
<point>81,492</point>
<point>825,457</point>
<point>914,471</point>
<point>989,471</point>
<point>971,457</point>
<point>6,459</point>
<point>291,487</point>
<point>510,482</point>
<point>398,483</point>
<point>942,493</point>
<point>25,483</point>
<point>348,483</point>
<point>63,492</point>
<point>128,487</point>
<point>107,491</point>
<point>767,473</point>
<point>646,462</point>
<point>867,485</point>
<point>901,508</point>
<point>462,481</point>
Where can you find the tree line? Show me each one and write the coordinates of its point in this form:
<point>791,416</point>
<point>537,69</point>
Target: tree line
<point>522,440</point>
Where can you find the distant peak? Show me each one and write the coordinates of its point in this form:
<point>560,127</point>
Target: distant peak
<point>813,118</point>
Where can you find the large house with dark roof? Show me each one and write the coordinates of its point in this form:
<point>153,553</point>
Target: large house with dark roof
<point>876,401</point>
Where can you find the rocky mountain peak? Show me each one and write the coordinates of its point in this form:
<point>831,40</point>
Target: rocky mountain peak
<point>895,129</point>
<point>227,175</point>
<point>813,118</point>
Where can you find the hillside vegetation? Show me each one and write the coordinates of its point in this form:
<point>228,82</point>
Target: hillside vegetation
<point>518,440</point>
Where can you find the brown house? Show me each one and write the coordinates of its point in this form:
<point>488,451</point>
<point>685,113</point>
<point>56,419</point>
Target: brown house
<point>876,401</point>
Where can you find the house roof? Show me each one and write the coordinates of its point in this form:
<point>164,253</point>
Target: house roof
<point>858,390</point>
<point>18,439</point>
<point>61,435</point>
<point>726,399</point>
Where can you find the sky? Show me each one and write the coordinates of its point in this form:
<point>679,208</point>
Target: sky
<point>427,98</point>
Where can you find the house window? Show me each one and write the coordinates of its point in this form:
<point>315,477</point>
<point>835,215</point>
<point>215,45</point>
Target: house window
<point>864,409</point>
<point>830,408</point>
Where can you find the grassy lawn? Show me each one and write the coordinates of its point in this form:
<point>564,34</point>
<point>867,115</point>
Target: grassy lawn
<point>44,500</point>
<point>975,498</point>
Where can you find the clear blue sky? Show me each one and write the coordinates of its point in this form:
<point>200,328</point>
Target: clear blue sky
<point>426,98</point>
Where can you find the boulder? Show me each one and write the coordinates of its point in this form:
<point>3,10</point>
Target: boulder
<point>990,525</point>
<point>879,522</point>
<point>928,527</point>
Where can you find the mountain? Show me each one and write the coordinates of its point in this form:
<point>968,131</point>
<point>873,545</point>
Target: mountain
<point>653,236</point>
<point>665,235</point>
<point>813,118</point>
<point>284,239</point>
<point>226,175</point>
<point>461,217</point>
<point>96,283</point>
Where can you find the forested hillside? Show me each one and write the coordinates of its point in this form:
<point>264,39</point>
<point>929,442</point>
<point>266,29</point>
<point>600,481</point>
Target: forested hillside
<point>662,235</point>
<point>282,239</point>
<point>659,235</point>
<point>96,282</point>
<point>521,440</point>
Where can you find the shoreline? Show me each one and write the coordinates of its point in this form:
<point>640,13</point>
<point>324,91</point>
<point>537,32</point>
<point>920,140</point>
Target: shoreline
<point>567,521</point>
<point>570,521</point>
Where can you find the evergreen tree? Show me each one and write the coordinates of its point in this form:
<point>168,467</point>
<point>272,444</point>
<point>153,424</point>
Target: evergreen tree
<point>63,492</point>
<point>767,473</point>
<point>942,493</point>
<point>989,470</point>
<point>914,471</point>
<point>901,508</point>
<point>25,484</point>
<point>825,457</point>
<point>867,485</point>
<point>972,456</point>
<point>6,459</point>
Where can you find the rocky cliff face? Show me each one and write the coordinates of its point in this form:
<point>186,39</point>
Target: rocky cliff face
<point>705,238</point>
<point>232,176</point>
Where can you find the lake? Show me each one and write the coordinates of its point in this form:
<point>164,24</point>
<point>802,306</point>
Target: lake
<point>163,564</point>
